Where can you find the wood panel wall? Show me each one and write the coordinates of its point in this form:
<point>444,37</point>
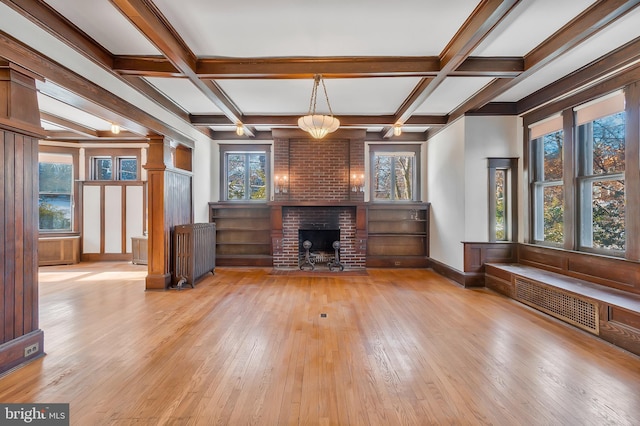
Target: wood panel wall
<point>608,271</point>
<point>170,203</point>
<point>19,123</point>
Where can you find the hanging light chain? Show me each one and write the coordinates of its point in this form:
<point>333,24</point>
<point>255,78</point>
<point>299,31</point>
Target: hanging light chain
<point>314,95</point>
<point>326,96</point>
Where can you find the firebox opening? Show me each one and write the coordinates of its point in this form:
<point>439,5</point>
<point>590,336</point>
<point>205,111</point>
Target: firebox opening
<point>321,243</point>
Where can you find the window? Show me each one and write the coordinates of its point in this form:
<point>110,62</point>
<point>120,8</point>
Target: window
<point>394,172</point>
<point>55,198</point>
<point>601,181</point>
<point>548,190</point>
<point>102,168</point>
<point>245,172</point>
<point>502,199</point>
<point>581,201</point>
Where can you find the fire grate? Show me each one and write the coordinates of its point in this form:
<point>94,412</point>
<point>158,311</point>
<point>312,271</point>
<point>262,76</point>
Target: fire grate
<point>565,306</point>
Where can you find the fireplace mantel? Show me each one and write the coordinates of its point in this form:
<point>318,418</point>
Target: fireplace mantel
<point>318,203</point>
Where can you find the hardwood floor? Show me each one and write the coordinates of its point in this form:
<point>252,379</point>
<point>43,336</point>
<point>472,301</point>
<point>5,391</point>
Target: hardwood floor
<point>248,347</point>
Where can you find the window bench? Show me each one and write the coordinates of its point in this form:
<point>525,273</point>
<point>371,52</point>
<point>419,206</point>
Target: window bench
<point>612,314</point>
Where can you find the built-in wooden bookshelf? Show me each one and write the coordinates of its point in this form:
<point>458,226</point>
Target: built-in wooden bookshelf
<point>398,235</point>
<point>243,234</point>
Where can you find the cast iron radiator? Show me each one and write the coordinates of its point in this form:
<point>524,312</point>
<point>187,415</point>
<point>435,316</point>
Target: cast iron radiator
<point>194,252</point>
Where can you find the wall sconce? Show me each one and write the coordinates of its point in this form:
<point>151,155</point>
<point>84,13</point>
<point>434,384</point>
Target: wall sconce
<point>357,183</point>
<point>239,129</point>
<point>115,129</point>
<point>282,184</point>
<point>397,129</point>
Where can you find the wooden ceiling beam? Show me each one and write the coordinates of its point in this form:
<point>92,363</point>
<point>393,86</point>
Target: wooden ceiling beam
<point>588,23</point>
<point>155,27</point>
<point>489,67</point>
<point>292,120</point>
<point>305,68</point>
<point>51,21</point>
<point>618,59</point>
<point>480,23</point>
<point>145,66</point>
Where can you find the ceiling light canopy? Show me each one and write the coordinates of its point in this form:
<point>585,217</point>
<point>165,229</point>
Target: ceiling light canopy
<point>318,125</point>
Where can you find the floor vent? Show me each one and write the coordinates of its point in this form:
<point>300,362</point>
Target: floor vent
<point>565,306</point>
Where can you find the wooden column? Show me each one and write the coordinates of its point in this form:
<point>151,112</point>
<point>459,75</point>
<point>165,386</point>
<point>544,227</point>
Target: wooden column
<point>158,159</point>
<point>20,338</point>
<point>170,203</point>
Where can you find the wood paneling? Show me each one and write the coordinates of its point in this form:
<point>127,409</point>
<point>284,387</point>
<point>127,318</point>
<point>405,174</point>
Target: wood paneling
<point>113,212</point>
<point>608,271</point>
<point>477,254</point>
<point>170,203</point>
<point>18,218</point>
<point>62,250</point>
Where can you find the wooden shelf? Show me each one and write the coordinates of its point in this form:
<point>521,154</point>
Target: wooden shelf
<point>243,233</point>
<point>398,235</point>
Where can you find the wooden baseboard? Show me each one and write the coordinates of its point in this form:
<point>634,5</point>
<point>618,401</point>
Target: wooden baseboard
<point>105,257</point>
<point>158,282</point>
<point>13,354</point>
<point>397,262</point>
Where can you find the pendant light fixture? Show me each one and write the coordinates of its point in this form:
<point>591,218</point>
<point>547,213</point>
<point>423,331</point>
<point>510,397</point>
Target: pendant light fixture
<point>318,125</point>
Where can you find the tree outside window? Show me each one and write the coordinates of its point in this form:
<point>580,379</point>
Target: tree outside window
<point>602,188</point>
<point>393,176</point>
<point>55,200</point>
<point>246,176</point>
<point>548,188</point>
<point>502,199</point>
<point>114,168</point>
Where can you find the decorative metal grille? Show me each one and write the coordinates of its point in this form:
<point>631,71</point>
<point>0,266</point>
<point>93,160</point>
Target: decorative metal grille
<point>565,306</point>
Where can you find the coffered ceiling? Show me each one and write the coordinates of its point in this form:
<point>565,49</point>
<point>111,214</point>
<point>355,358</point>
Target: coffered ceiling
<point>193,69</point>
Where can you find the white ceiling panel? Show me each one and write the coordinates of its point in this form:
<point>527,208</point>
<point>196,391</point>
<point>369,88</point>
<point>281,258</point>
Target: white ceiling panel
<point>70,113</point>
<point>627,29</point>
<point>452,92</point>
<point>184,94</point>
<point>104,23</point>
<point>258,28</point>
<point>532,22</point>
<point>347,96</point>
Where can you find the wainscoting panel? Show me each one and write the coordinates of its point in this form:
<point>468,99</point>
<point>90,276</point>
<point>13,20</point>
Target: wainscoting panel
<point>91,227</point>
<point>113,219</point>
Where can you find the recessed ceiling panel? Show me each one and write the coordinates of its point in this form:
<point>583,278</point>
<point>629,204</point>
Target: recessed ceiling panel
<point>346,96</point>
<point>258,28</point>
<point>625,30</point>
<point>62,110</point>
<point>452,92</point>
<point>104,23</point>
<point>184,94</point>
<point>528,25</point>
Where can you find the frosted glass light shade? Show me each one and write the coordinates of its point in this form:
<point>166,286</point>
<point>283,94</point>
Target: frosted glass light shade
<point>318,125</point>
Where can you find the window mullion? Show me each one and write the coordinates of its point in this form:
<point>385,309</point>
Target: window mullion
<point>569,172</point>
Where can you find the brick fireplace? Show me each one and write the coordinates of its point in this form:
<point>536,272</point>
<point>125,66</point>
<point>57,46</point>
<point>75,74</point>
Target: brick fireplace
<point>319,195</point>
<point>296,218</point>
